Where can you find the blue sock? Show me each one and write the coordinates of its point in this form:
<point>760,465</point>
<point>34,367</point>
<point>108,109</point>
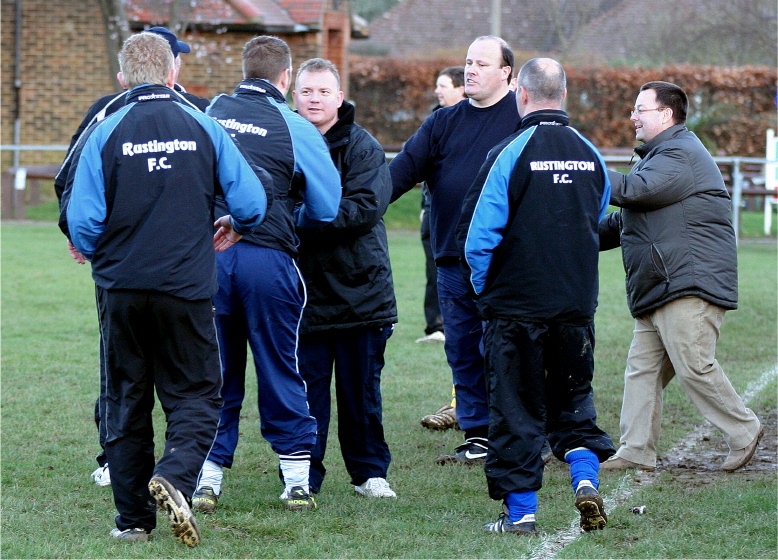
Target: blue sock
<point>520,504</point>
<point>584,465</point>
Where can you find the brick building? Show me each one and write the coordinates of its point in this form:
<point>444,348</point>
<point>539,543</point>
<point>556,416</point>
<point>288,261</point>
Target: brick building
<point>61,65</point>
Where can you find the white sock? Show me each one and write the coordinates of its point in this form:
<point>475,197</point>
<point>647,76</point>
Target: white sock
<point>295,468</point>
<point>211,475</point>
<point>584,483</point>
<point>575,449</point>
<point>528,518</point>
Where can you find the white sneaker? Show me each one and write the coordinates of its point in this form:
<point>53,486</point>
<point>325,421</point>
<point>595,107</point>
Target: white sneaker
<point>375,488</point>
<point>437,336</point>
<point>102,476</point>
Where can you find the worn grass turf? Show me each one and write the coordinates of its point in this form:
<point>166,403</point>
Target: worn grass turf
<point>51,508</point>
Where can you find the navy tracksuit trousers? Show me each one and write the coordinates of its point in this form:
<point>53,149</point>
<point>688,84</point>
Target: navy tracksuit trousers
<point>357,355</point>
<point>260,301</point>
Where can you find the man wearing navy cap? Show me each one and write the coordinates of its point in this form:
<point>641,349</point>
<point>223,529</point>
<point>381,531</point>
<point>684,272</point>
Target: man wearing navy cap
<point>175,45</point>
<point>97,112</point>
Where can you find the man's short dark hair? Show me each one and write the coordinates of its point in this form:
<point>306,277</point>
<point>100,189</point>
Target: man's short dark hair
<point>456,73</point>
<point>266,57</point>
<point>670,95</point>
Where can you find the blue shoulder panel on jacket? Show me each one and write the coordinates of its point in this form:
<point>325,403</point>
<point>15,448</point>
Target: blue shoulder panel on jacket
<point>321,199</point>
<point>491,212</point>
<point>86,211</point>
<point>606,192</point>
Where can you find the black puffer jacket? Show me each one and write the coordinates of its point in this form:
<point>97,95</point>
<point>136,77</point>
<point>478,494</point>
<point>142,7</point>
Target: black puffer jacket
<point>345,263</point>
<point>674,226</point>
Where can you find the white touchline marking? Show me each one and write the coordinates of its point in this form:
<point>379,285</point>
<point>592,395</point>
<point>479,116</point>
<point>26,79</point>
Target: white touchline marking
<point>552,544</point>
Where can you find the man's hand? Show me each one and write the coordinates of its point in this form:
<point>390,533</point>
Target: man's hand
<point>78,257</point>
<point>225,237</point>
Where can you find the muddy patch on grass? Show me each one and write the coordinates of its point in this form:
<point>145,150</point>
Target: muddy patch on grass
<point>697,460</point>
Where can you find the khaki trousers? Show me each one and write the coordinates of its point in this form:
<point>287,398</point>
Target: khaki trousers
<point>679,339</point>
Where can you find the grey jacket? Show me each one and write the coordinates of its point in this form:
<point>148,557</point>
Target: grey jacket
<point>674,226</point>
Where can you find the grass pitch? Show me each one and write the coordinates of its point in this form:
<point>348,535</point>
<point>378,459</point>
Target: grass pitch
<point>51,508</point>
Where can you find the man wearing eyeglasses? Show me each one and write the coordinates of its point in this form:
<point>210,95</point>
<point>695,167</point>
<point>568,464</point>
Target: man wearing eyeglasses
<point>680,254</point>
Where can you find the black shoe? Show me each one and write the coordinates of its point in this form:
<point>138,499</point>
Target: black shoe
<point>505,525</point>
<point>472,452</point>
<point>298,499</point>
<point>204,500</point>
<point>589,503</point>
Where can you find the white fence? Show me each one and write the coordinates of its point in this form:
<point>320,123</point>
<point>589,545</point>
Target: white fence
<point>744,177</point>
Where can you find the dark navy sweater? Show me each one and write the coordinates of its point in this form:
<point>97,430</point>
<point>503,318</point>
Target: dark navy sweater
<point>447,151</point>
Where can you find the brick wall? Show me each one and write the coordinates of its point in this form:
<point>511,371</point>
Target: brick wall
<point>64,68</point>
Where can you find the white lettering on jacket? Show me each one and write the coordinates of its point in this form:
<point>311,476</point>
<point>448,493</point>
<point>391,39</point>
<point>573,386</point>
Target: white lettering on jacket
<point>156,146</point>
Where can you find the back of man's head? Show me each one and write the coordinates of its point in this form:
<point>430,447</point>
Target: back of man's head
<point>145,58</point>
<point>544,79</point>
<point>266,57</point>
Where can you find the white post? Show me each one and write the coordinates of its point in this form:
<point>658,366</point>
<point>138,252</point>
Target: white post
<point>770,179</point>
<point>737,196</point>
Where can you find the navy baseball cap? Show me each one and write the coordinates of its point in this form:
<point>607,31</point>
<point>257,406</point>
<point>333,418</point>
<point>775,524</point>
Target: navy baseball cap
<point>175,45</point>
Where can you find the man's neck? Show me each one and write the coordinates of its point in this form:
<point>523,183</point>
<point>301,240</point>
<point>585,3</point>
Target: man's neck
<point>491,100</point>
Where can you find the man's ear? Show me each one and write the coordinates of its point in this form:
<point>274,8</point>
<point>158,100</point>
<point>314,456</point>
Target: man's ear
<point>171,78</point>
<point>120,77</point>
<point>286,79</point>
<point>506,72</point>
<point>524,95</point>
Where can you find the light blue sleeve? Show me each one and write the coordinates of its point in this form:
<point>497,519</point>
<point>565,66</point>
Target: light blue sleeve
<point>87,210</point>
<point>490,216</point>
<point>321,198</point>
<point>606,193</point>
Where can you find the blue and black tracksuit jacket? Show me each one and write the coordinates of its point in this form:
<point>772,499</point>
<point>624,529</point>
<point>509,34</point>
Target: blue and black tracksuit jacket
<point>291,150</point>
<point>529,227</point>
<point>139,201</point>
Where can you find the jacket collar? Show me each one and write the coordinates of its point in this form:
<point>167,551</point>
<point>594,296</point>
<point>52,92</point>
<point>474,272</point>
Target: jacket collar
<point>341,129</point>
<point>151,92</point>
<point>663,136</point>
<point>545,117</point>
<point>259,86</point>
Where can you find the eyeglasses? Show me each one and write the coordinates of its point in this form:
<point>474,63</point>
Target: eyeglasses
<point>639,112</point>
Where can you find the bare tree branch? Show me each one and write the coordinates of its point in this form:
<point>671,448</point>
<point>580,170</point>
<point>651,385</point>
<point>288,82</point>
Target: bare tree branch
<point>117,29</point>
<point>180,11</point>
